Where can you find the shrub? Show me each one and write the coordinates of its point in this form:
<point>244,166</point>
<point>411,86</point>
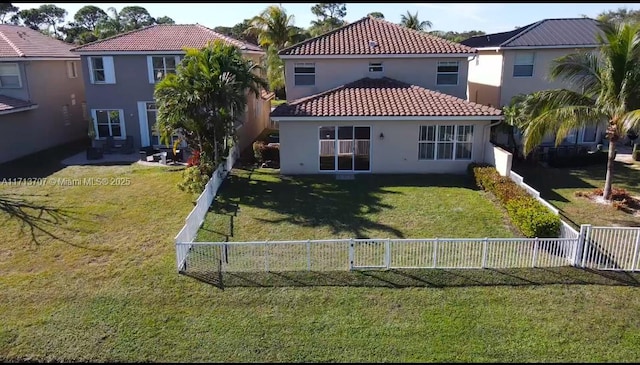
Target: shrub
<point>263,152</point>
<point>526,213</point>
<point>193,180</point>
<point>194,159</point>
<point>258,150</point>
<point>533,219</point>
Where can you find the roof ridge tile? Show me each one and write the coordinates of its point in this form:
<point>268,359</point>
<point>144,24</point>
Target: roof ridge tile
<point>15,48</point>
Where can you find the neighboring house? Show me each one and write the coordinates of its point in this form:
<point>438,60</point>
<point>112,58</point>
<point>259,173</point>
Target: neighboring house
<point>373,96</point>
<point>121,73</point>
<point>518,62</point>
<point>41,92</point>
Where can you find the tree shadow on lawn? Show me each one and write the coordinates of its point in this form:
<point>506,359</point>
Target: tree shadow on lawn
<point>321,200</point>
<point>408,278</point>
<point>40,220</point>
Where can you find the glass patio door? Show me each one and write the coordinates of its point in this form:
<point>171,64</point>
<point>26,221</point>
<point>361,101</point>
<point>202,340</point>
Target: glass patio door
<point>345,148</point>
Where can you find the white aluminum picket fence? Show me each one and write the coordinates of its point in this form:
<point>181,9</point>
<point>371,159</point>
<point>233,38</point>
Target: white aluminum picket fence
<point>195,219</point>
<point>610,248</point>
<point>352,254</point>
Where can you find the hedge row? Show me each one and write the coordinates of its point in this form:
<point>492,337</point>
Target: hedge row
<point>526,213</point>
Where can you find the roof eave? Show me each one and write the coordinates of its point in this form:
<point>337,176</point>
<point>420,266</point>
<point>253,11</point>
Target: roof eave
<point>384,118</point>
<point>19,109</point>
<point>403,55</point>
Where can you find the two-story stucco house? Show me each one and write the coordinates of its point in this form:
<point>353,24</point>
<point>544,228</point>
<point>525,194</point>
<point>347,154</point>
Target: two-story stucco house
<point>373,96</point>
<point>518,62</point>
<point>41,92</point>
<point>121,73</point>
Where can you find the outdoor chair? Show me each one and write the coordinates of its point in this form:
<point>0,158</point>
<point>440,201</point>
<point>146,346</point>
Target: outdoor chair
<point>109,145</point>
<point>127,147</point>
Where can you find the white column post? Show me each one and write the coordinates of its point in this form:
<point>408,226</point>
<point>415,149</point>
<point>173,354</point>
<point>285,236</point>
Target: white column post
<point>485,243</point>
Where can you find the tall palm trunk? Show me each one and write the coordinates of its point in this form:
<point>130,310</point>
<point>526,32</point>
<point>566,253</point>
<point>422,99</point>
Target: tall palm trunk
<point>612,157</point>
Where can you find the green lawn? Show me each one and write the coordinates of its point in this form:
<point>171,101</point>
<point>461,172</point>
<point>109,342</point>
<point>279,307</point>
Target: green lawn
<point>558,186</point>
<point>258,205</point>
<point>107,290</point>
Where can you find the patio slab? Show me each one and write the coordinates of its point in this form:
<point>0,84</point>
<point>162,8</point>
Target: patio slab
<point>113,159</point>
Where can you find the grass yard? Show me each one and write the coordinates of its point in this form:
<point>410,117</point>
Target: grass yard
<point>107,289</point>
<point>258,205</point>
<point>558,186</point>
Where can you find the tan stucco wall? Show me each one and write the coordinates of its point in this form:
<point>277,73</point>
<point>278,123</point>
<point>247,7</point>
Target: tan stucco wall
<point>35,130</point>
<point>512,86</point>
<point>485,78</point>
<point>257,117</point>
<point>334,72</point>
<point>396,153</point>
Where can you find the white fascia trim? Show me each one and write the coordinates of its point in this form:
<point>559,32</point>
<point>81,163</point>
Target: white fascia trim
<point>16,59</point>
<point>372,119</point>
<point>489,48</point>
<point>253,52</point>
<point>379,56</point>
<point>553,47</point>
<point>16,110</point>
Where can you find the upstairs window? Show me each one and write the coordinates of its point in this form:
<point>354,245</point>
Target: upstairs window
<point>375,67</point>
<point>447,73</point>
<point>304,74</point>
<point>101,70</point>
<point>523,65</point>
<point>10,75</point>
<point>161,66</point>
<point>72,69</point>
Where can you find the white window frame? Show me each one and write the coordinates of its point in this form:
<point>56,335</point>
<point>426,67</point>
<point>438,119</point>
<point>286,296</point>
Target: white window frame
<point>448,63</point>
<point>336,148</point>
<point>150,68</point>
<point>376,67</point>
<point>72,69</point>
<point>121,122</point>
<point>532,64</point>
<point>17,68</point>
<point>305,65</point>
<point>109,71</point>
<point>436,141</point>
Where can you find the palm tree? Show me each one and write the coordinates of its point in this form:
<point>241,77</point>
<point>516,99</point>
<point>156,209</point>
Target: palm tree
<point>609,90</point>
<point>411,21</point>
<point>273,27</point>
<point>205,96</point>
<point>110,26</point>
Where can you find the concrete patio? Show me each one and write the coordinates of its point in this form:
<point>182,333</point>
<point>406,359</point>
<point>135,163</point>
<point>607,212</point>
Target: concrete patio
<point>114,159</point>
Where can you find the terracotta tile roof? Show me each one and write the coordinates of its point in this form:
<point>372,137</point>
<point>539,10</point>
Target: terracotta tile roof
<point>163,37</point>
<point>383,97</point>
<point>8,103</point>
<point>18,41</point>
<point>357,39</point>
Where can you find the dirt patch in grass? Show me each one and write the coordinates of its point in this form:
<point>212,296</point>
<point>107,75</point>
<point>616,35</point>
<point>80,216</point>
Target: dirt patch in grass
<point>621,200</point>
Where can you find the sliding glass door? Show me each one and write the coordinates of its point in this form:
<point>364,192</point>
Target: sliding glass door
<point>345,148</point>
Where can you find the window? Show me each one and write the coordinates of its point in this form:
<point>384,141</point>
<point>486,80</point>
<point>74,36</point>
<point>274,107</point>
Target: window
<point>375,67</point>
<point>523,65</point>
<point>447,73</point>
<point>161,66</point>
<point>101,70</point>
<point>445,142</point>
<point>10,75</point>
<point>72,69</point>
<point>327,148</point>
<point>304,74</point>
<point>109,123</point>
<point>589,134</point>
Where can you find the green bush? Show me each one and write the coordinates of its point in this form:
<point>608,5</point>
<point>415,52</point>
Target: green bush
<point>258,150</point>
<point>533,219</point>
<point>263,152</point>
<point>193,180</point>
<point>526,213</point>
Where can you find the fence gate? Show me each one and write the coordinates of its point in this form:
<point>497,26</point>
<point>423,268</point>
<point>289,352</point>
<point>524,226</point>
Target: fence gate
<point>370,254</point>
